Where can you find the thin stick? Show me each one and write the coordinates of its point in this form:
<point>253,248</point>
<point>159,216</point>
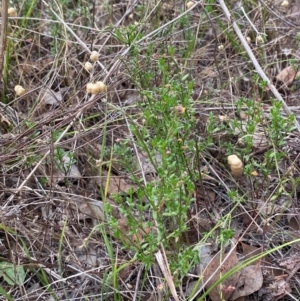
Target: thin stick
<point>167,274</point>
<point>3,33</point>
<point>255,62</point>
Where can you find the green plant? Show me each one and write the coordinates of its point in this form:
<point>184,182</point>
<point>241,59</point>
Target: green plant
<point>13,275</point>
<point>63,160</point>
<point>166,139</point>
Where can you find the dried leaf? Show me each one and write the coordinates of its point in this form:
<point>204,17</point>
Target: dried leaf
<point>259,139</point>
<point>205,253</point>
<point>223,291</point>
<point>145,163</point>
<point>291,262</point>
<point>250,281</point>
<point>5,124</point>
<point>287,76</point>
<point>280,289</point>
<point>287,51</point>
<point>86,256</point>
<point>206,195</point>
<point>250,251</point>
<point>294,222</point>
<point>240,299</point>
<point>137,237</point>
<point>270,209</point>
<point>62,169</point>
<point>90,209</point>
<point>209,72</point>
<point>115,184</point>
<point>192,286</point>
<point>51,97</point>
<point>72,169</point>
<point>271,268</point>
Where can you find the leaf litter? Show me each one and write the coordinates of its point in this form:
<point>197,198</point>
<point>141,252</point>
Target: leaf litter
<point>62,202</point>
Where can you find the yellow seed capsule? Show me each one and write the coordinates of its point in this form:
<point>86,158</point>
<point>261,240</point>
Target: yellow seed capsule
<point>94,56</point>
<point>248,40</point>
<point>285,4</point>
<point>89,87</point>
<point>178,110</point>
<point>236,165</point>
<point>221,47</point>
<point>88,66</point>
<point>19,90</point>
<point>96,88</point>
<point>259,40</point>
<point>189,4</point>
<point>101,86</point>
<point>12,12</point>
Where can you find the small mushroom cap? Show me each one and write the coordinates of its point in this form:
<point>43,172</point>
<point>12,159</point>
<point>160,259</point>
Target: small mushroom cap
<point>94,56</point>
<point>190,4</point>
<point>95,88</point>
<point>12,12</point>
<point>236,165</point>
<point>88,66</point>
<point>101,85</point>
<point>19,90</point>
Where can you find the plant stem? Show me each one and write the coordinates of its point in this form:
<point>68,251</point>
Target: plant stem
<point>3,34</point>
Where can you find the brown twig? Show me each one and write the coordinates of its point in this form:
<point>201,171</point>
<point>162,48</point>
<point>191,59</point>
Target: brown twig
<point>3,33</point>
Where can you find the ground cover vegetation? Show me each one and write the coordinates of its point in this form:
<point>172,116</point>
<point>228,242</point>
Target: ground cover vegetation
<point>149,150</point>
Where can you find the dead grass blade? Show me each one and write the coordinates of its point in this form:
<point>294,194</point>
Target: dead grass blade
<point>167,274</point>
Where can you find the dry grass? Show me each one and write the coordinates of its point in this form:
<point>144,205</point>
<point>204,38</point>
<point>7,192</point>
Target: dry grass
<point>65,154</point>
